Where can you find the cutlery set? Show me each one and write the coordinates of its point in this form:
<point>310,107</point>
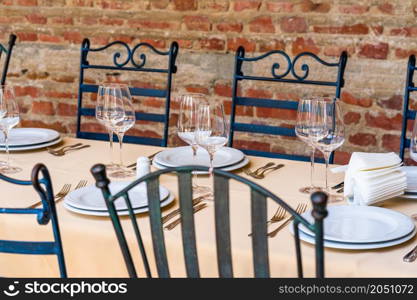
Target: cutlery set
<point>260,172</point>
<point>63,192</point>
<point>64,150</point>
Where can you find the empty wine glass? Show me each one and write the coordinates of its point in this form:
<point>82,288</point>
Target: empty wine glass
<point>212,131</point>
<point>9,112</point>
<point>122,117</point>
<point>308,115</point>
<point>103,95</point>
<point>335,136</point>
<point>187,124</point>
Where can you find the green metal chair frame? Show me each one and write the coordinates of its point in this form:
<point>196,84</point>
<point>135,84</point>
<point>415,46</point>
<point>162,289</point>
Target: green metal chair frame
<point>222,224</point>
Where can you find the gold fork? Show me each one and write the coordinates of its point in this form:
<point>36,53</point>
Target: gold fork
<point>61,194</point>
<point>173,213</point>
<point>176,222</point>
<point>277,217</point>
<point>80,184</point>
<point>301,208</point>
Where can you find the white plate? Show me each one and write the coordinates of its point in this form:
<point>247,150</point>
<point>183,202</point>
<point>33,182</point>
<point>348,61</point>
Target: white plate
<point>237,166</point>
<point>24,137</point>
<point>352,246</point>
<point>362,224</point>
<point>91,198</point>
<point>183,156</point>
<point>409,196</point>
<point>33,147</point>
<point>140,210</point>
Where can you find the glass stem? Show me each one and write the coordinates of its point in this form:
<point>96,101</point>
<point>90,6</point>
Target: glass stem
<point>6,141</point>
<point>211,165</point>
<point>120,137</point>
<point>111,146</point>
<point>312,167</point>
<point>194,147</point>
<point>327,158</point>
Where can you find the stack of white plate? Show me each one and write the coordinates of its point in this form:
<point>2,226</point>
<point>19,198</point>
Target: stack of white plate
<point>361,227</point>
<point>227,159</point>
<point>411,190</point>
<point>30,138</point>
<point>89,200</point>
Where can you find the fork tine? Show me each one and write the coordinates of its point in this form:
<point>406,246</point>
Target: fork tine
<point>65,189</point>
<point>81,183</point>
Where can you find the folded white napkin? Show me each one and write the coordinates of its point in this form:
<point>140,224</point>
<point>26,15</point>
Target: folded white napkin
<point>374,177</point>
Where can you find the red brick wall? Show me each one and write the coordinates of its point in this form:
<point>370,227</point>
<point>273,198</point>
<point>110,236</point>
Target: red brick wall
<point>378,35</point>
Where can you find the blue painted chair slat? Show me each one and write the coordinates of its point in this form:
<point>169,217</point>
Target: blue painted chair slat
<point>222,221</point>
<point>259,102</point>
<point>139,115</point>
<point>266,129</point>
<point>260,237</point>
<point>20,247</point>
<point>93,88</point>
<point>128,139</point>
<point>8,51</point>
<point>298,77</point>
<point>408,114</point>
<point>120,63</point>
<point>41,182</point>
<point>280,155</point>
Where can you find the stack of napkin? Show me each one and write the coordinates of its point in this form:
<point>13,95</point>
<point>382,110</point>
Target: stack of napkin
<point>374,177</point>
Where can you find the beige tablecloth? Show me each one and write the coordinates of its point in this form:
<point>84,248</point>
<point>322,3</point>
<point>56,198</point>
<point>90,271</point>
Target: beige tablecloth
<point>91,248</point>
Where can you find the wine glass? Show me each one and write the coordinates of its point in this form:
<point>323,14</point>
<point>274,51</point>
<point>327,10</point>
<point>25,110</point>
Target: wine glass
<point>103,95</point>
<point>9,112</point>
<point>212,131</point>
<point>335,136</point>
<point>187,123</point>
<point>308,115</point>
<point>122,117</point>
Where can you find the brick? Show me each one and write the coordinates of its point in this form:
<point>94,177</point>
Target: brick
<point>229,27</point>
<point>293,25</point>
<point>27,2</point>
<point>160,4</point>
<point>199,23</point>
<point>27,36</point>
<point>58,126</point>
<point>223,90</point>
<point>336,51</point>
<point>394,102</point>
<point>258,93</point>
<point>283,7</point>
<point>404,53</point>
<point>352,118</point>
<point>233,44</point>
<point>184,5</point>
<point>270,45</point>
<point>304,45</point>
<point>43,108</point>
<point>50,38</point>
<point>36,19</point>
<point>350,99</point>
<point>214,5</point>
<point>197,89</point>
<point>62,20</point>
<point>354,9</point>
<point>405,31</point>
<point>212,44</point>
<point>383,121</point>
<point>310,6</point>
<point>64,95</point>
<point>73,37</point>
<point>282,114</point>
<point>30,91</point>
<point>241,5</point>
<point>252,145</point>
<point>363,139</point>
<point>247,111</point>
<point>341,157</point>
<point>386,8</point>
<point>352,29</point>
<point>376,51</point>
<point>391,142</point>
<point>262,24</point>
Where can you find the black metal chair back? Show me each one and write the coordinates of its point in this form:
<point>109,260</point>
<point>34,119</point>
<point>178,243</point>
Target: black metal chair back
<point>119,65</point>
<point>408,114</point>
<point>41,182</point>
<point>8,52</point>
<point>222,222</point>
<point>283,77</point>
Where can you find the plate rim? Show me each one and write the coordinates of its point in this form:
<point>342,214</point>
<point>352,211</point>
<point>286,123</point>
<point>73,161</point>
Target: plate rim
<point>57,136</point>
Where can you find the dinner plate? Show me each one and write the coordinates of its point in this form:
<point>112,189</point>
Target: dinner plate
<point>409,195</point>
<point>354,246</point>
<point>362,224</point>
<point>24,137</point>
<point>124,212</point>
<point>237,166</point>
<point>33,147</point>
<point>183,156</point>
<point>91,198</point>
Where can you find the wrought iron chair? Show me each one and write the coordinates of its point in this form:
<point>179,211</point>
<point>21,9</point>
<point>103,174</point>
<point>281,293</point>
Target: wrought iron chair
<point>41,182</point>
<point>171,54</point>
<point>408,114</point>
<point>283,77</point>
<point>8,52</point>
<point>221,203</point>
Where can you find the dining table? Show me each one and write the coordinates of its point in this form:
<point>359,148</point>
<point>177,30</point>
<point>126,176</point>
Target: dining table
<point>90,244</point>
